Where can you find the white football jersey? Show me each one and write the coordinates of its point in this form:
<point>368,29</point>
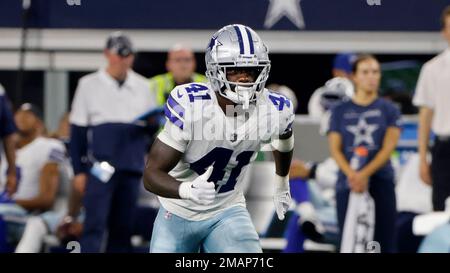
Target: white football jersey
<point>199,128</point>
<point>30,160</point>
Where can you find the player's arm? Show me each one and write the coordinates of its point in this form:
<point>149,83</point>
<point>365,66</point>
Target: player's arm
<point>283,148</point>
<point>389,143</point>
<point>167,150</point>
<point>48,186</point>
<point>161,160</point>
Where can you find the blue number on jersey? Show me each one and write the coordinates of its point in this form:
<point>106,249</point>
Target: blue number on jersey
<point>279,101</point>
<point>219,158</point>
<point>193,90</point>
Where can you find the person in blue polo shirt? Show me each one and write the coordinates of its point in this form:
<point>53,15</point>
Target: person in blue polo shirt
<point>109,163</point>
<point>372,122</point>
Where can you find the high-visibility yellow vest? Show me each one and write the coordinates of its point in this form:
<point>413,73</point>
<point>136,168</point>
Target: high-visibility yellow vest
<point>162,84</point>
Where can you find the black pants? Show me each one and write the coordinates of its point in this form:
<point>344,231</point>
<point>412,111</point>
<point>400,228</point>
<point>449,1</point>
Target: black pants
<point>440,172</point>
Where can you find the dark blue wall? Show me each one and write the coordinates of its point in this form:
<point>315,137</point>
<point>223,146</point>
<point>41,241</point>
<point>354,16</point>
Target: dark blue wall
<point>391,15</point>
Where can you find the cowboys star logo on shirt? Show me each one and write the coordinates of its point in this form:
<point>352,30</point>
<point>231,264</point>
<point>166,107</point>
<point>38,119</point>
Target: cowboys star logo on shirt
<point>362,132</point>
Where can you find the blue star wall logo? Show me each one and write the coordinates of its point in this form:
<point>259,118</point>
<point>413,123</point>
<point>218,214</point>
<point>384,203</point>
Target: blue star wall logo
<point>284,8</point>
<point>317,15</point>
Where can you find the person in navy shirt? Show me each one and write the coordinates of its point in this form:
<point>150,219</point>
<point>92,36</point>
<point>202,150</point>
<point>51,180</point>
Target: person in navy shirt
<point>369,121</point>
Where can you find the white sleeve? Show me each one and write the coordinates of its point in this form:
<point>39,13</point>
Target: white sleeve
<point>314,108</point>
<point>424,90</point>
<point>287,117</point>
<point>56,152</point>
<point>177,131</point>
<point>172,136</point>
<point>79,114</point>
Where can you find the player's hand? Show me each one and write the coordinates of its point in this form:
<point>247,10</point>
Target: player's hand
<point>200,190</point>
<point>282,197</point>
<point>79,183</point>
<point>425,174</point>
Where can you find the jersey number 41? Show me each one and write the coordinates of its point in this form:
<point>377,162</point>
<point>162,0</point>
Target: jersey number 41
<point>219,158</point>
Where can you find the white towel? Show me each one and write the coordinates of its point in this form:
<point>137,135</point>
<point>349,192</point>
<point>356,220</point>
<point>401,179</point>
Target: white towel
<point>359,223</point>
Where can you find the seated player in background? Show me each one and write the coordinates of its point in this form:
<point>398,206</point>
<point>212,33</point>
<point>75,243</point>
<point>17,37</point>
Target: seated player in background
<point>40,225</point>
<point>37,160</point>
<point>213,132</point>
<point>65,220</point>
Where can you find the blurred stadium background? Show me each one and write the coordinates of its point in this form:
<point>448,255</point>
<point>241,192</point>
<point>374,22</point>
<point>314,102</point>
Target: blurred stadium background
<point>46,46</point>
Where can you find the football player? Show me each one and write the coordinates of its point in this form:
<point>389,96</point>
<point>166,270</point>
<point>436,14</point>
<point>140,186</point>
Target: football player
<point>214,130</point>
<point>39,163</point>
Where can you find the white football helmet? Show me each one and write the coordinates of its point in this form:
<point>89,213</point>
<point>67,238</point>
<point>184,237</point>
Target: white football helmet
<point>237,46</point>
<point>336,90</point>
<point>324,98</point>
